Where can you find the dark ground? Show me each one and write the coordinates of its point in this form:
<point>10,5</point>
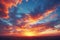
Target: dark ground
<point>30,38</point>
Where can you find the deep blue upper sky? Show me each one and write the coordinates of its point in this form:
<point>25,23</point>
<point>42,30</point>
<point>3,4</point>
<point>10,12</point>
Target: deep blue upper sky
<point>35,7</point>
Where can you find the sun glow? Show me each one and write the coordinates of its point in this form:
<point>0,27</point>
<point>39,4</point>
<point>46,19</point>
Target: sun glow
<point>29,34</point>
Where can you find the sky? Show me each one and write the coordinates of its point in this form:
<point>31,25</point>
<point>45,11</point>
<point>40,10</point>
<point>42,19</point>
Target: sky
<point>18,13</point>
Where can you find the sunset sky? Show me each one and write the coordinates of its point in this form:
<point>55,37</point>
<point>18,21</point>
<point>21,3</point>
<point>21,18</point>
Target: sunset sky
<point>28,14</point>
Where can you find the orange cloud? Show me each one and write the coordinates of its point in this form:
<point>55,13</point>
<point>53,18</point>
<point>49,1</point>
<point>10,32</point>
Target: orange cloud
<point>5,5</point>
<point>41,30</point>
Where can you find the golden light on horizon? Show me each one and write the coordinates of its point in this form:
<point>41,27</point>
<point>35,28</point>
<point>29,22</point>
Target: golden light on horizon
<point>29,34</point>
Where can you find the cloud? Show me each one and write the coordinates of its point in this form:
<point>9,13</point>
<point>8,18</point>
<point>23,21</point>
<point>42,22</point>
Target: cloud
<point>5,5</point>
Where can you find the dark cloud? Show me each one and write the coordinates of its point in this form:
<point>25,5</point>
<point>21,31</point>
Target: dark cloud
<point>50,4</point>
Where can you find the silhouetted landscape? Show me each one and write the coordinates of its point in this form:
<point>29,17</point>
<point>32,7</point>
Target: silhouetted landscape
<point>30,38</point>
